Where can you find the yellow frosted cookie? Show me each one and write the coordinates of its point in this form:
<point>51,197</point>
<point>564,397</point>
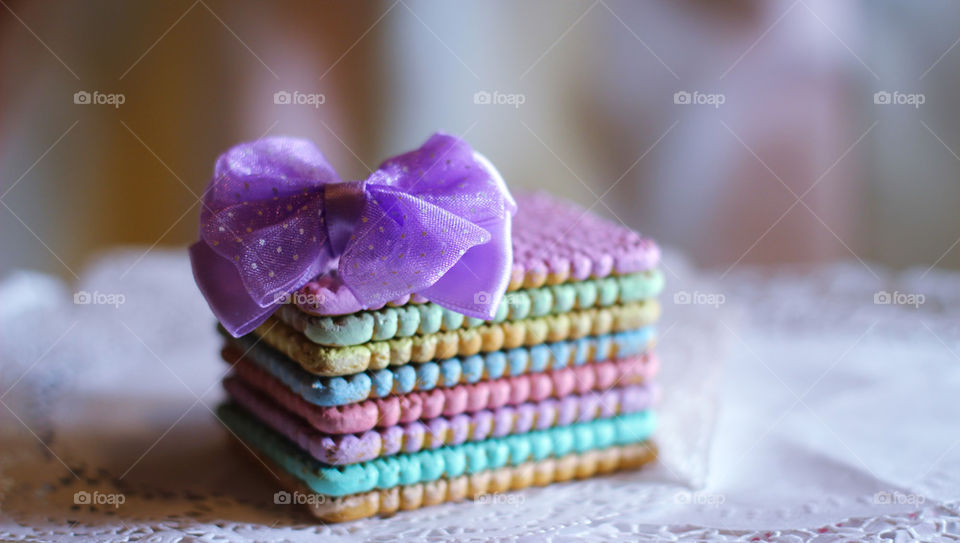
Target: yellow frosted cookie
<point>375,355</point>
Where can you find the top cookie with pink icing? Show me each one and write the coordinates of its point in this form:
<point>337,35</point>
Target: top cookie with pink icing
<point>554,241</point>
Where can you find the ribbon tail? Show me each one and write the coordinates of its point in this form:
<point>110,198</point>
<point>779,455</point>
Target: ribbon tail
<point>475,285</point>
<point>220,284</point>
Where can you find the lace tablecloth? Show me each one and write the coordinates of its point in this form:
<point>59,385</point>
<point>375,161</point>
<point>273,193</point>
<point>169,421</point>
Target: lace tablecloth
<point>816,404</point>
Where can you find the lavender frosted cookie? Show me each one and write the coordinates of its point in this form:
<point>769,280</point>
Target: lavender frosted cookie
<point>554,242</point>
<point>342,449</point>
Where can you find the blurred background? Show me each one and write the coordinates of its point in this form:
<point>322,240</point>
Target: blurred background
<point>737,131</point>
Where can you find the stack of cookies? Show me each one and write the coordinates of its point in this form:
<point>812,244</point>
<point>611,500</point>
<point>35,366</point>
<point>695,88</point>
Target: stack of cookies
<point>413,404</point>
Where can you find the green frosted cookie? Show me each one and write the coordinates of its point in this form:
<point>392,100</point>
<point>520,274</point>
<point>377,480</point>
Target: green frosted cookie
<point>429,318</point>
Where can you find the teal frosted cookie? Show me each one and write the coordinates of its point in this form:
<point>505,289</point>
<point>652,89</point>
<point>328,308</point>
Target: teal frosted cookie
<point>431,465</point>
<point>429,318</point>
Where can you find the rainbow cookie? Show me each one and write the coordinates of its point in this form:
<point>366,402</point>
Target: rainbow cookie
<point>554,242</point>
<point>474,486</point>
<point>342,449</point>
<point>333,361</point>
<point>428,318</point>
<point>405,408</point>
<point>421,336</point>
<point>443,463</point>
<point>342,390</point>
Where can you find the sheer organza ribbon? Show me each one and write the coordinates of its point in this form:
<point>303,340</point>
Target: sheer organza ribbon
<point>434,221</point>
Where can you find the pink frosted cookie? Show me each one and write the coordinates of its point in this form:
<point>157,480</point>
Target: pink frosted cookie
<point>554,241</point>
<point>405,408</point>
<point>341,449</point>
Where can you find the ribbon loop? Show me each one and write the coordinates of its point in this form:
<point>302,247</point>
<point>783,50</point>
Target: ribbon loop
<point>434,221</point>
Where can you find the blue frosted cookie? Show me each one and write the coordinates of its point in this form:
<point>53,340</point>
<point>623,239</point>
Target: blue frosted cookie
<point>330,391</point>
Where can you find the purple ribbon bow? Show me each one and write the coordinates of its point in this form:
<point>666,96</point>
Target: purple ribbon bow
<point>435,221</point>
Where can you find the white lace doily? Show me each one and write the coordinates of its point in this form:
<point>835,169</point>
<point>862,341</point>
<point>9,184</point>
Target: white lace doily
<point>821,416</point>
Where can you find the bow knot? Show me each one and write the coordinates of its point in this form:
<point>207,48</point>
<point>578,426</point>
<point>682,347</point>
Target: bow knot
<point>343,204</point>
<point>434,221</point>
